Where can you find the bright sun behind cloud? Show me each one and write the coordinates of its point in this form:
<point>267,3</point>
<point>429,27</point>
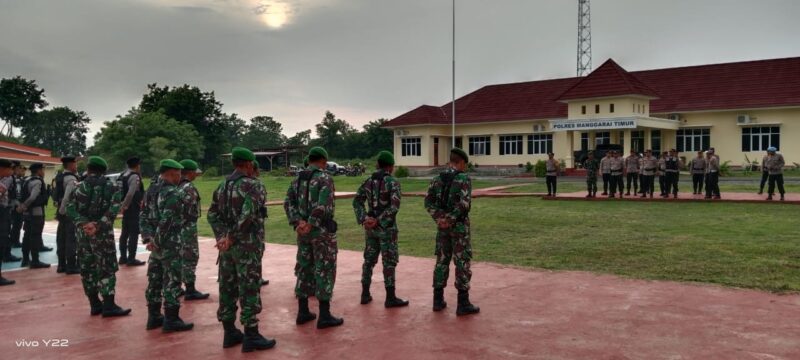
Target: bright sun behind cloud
<point>273,13</point>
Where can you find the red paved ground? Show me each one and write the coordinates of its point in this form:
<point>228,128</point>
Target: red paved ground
<point>726,197</point>
<point>525,314</point>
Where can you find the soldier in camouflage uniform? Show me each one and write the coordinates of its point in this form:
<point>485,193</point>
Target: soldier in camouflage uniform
<point>191,212</point>
<point>592,167</point>
<point>93,208</point>
<point>257,175</point>
<point>448,202</point>
<point>309,207</point>
<point>382,192</point>
<point>237,217</point>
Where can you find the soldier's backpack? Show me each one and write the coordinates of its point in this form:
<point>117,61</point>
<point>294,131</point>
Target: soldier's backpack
<point>40,200</point>
<point>375,203</point>
<point>225,199</point>
<point>151,196</point>
<point>95,206</point>
<point>305,176</point>
<point>447,178</point>
<point>122,183</point>
<point>58,187</point>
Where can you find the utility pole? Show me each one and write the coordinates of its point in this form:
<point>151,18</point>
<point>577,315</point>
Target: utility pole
<point>584,64</point>
<point>453,111</point>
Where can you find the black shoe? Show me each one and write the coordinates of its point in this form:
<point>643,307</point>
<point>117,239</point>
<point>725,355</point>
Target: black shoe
<point>604,193</point>
<point>264,282</point>
<point>45,249</point>
<point>173,322</point>
<point>643,196</point>
<point>769,198</point>
<point>628,193</point>
<point>111,309</point>
<point>254,341</point>
<point>154,317</point>
<point>327,320</point>
<point>25,263</point>
<point>782,198</point>
<point>366,297</point>
<point>674,196</point>
<point>392,301</point>
<point>16,245</point>
<point>72,271</point>
<point>135,262</point>
<point>232,335</point>
<point>39,265</point>
<point>95,304</point>
<point>464,306</point>
<point>193,294</point>
<point>60,269</point>
<point>4,281</point>
<point>11,258</point>
<point>304,315</point>
<point>123,260</point>
<point>438,299</point>
<point>181,292</point>
<point>760,192</point>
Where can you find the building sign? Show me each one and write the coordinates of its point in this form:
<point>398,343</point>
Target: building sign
<point>592,124</point>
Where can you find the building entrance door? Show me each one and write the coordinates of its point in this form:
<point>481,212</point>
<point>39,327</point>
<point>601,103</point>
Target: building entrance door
<point>436,151</point>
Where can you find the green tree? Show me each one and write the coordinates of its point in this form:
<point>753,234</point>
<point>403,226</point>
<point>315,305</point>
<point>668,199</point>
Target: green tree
<point>138,134</point>
<point>263,133</point>
<point>331,134</point>
<point>377,138</point>
<point>300,139</point>
<point>60,129</point>
<point>19,100</point>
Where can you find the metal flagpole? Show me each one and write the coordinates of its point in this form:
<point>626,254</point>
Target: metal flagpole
<point>454,78</point>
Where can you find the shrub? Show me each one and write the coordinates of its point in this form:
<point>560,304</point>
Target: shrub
<point>211,171</point>
<point>528,167</point>
<point>540,169</point>
<point>401,172</point>
<point>725,168</point>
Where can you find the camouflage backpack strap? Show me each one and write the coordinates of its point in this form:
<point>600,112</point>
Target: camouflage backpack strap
<point>305,176</point>
<point>379,177</point>
<point>447,181</point>
<point>228,215</point>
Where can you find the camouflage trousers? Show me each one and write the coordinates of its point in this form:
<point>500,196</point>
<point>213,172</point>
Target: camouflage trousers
<point>591,184</point>
<point>384,243</point>
<point>97,256</point>
<point>453,245</point>
<point>164,275</point>
<point>316,265</point>
<point>240,281</point>
<point>191,252</point>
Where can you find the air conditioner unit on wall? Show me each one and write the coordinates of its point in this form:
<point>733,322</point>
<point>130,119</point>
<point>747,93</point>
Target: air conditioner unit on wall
<point>402,132</point>
<point>538,128</point>
<point>675,117</point>
<point>743,119</point>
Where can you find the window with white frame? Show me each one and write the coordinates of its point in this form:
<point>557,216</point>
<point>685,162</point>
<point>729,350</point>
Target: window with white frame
<point>761,138</point>
<point>511,145</point>
<point>691,140</point>
<point>602,138</point>
<point>411,146</point>
<point>540,144</point>
<point>480,145</point>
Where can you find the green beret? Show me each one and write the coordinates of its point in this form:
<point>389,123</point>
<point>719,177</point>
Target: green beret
<point>256,165</point>
<point>170,164</point>
<point>190,165</point>
<point>98,161</point>
<point>385,158</point>
<point>305,161</point>
<point>318,152</point>
<point>460,154</point>
<point>240,153</point>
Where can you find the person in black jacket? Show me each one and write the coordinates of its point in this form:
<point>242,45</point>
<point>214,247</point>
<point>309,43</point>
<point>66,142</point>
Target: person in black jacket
<point>130,183</point>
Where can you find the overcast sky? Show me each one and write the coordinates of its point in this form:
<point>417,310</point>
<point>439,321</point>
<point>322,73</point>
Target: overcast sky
<point>361,59</point>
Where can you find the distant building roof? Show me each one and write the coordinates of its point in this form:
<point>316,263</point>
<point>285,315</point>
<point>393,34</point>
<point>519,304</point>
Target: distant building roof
<point>9,146</point>
<point>30,158</point>
<point>730,86</point>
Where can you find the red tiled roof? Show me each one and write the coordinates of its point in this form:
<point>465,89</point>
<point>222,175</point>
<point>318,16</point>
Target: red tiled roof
<point>24,148</point>
<point>742,85</point>
<point>29,158</point>
<point>607,80</point>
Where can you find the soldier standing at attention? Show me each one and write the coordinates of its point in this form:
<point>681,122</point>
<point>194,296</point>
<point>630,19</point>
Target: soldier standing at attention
<point>672,165</point>
<point>649,168</point>
<point>309,207</point>
<point>712,175</point>
<point>764,173</point>
<point>604,170</point>
<point>130,182</point>
<point>238,226</point>
<point>191,212</point>
<point>615,166</point>
<point>382,192</point>
<point>662,174</point>
<point>698,168</point>
<point>552,167</point>
<point>93,208</point>
<point>165,268</point>
<point>775,165</point>
<point>66,247</point>
<point>34,195</point>
<point>6,192</point>
<point>632,172</point>
<point>448,201</point>
<point>263,209</point>
<point>592,166</point>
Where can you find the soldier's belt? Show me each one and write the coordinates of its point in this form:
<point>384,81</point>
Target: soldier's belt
<point>672,171</point>
<point>650,169</point>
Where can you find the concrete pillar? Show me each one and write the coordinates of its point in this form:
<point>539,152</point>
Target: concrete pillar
<point>647,143</point>
<point>628,141</point>
<point>562,146</point>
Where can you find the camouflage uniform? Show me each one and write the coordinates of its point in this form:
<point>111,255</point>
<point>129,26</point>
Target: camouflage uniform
<point>96,200</point>
<point>591,166</point>
<point>237,213</point>
<point>191,212</point>
<point>451,202</point>
<point>165,267</point>
<point>312,200</point>
<point>382,191</point>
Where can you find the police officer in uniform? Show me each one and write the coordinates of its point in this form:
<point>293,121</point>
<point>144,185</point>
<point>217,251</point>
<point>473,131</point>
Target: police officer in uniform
<point>712,175</point>
<point>698,169</point>
<point>764,174</point>
<point>649,169</point>
<point>632,172</point>
<point>615,166</point>
<point>130,183</point>
<point>32,208</point>
<point>775,165</point>
<point>6,191</point>
<point>604,170</point>
<point>672,169</point>
<point>552,167</point>
<point>17,219</point>
<point>66,243</point>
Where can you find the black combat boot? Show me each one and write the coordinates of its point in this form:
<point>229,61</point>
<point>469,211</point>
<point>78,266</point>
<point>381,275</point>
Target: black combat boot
<point>96,304</point>
<point>392,300</point>
<point>72,270</point>
<point>233,336</point>
<point>154,317</point>
<point>464,306</point>
<point>4,281</point>
<point>303,314</point>
<point>327,320</point>
<point>110,308</point>
<point>134,262</point>
<point>769,197</point>
<point>438,299</point>
<point>25,261</point>
<point>173,322</point>
<point>264,282</point>
<point>193,294</point>
<point>782,197</point>
<point>254,341</point>
<point>366,297</point>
